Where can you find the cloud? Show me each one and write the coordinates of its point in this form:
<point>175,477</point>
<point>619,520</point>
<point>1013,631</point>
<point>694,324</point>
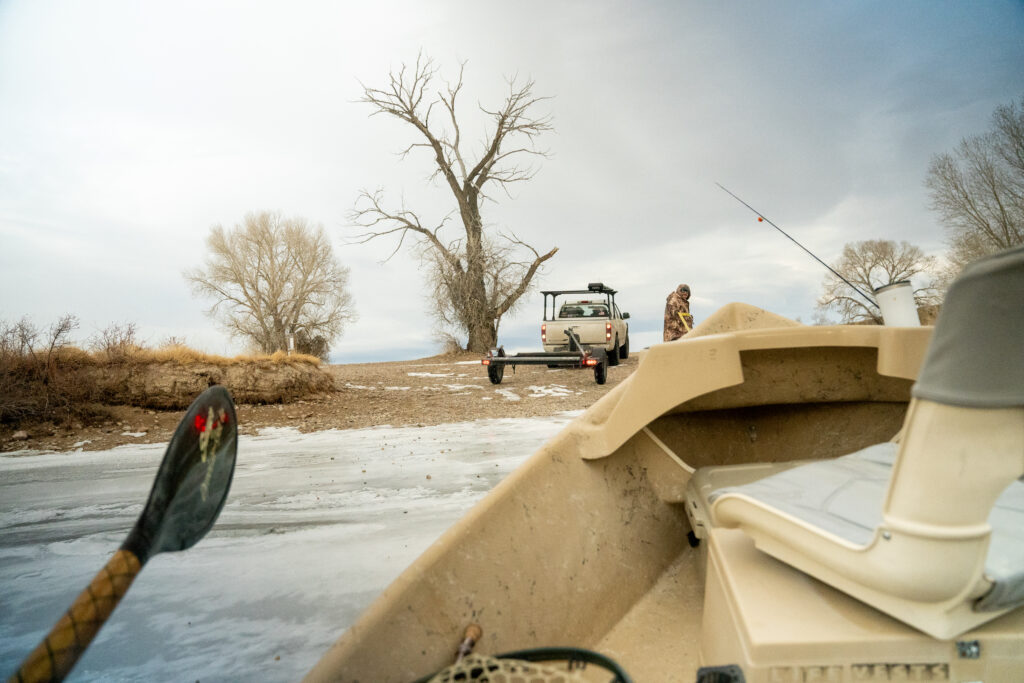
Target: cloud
<point>128,130</point>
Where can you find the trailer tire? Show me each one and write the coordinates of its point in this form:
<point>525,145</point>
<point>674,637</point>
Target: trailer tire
<point>495,373</point>
<point>601,369</point>
<point>624,349</point>
<point>613,355</point>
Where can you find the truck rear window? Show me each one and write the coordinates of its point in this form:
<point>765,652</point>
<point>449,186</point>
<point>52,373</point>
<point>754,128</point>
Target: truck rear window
<point>583,310</point>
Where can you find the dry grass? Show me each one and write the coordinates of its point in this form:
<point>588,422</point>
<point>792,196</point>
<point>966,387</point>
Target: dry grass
<point>183,355</point>
<point>57,384</point>
<point>72,356</point>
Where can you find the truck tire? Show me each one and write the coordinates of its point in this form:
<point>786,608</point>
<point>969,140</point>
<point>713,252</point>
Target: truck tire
<point>601,369</point>
<point>613,355</point>
<point>495,373</point>
<point>624,349</point>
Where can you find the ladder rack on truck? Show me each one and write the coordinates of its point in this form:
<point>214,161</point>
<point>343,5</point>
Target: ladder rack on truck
<point>578,356</point>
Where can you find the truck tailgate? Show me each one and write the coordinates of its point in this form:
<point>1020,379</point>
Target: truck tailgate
<point>591,332</point>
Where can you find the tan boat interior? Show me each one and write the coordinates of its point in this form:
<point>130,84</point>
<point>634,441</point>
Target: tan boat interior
<point>589,543</point>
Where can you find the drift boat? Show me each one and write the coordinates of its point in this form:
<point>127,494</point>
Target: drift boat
<point>760,501</point>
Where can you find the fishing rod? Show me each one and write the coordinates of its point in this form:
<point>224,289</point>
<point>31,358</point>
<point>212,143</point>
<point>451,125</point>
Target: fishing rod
<point>761,217</point>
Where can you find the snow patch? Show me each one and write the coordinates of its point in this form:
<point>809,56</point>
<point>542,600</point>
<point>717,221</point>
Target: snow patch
<point>430,374</point>
<point>508,394</point>
<point>556,390</point>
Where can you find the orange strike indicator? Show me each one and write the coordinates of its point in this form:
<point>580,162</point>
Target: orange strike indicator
<point>759,219</point>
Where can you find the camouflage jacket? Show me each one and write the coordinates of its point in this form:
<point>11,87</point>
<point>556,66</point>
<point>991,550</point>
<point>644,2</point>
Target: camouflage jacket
<point>678,320</point>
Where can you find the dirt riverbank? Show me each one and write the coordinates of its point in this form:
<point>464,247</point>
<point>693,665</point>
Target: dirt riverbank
<point>440,389</point>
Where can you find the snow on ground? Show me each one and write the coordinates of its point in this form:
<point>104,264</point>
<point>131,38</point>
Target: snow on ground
<point>534,391</point>
<point>315,526</point>
<point>550,390</point>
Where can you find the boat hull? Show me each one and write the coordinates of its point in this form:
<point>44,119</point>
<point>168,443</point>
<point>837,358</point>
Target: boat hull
<point>586,544</point>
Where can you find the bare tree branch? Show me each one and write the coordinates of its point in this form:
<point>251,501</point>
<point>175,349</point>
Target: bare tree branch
<point>476,280</point>
<point>979,189</point>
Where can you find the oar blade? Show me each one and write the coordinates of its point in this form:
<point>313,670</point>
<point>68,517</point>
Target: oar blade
<point>192,483</point>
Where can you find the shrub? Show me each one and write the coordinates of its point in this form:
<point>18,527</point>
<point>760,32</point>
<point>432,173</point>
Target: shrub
<point>43,377</point>
<point>118,342</point>
<point>34,382</point>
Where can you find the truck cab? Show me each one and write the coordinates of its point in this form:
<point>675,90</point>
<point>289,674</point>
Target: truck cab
<point>591,314</point>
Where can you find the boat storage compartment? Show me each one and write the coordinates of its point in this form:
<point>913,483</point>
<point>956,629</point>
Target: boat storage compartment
<point>780,625</point>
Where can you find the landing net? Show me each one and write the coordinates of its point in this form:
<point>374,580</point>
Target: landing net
<point>483,669</point>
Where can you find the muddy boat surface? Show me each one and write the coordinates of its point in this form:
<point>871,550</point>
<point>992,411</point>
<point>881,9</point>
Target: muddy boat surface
<point>631,533</point>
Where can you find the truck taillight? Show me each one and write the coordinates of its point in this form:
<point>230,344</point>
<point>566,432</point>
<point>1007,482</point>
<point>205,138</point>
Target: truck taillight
<point>607,331</point>
<point>543,333</point>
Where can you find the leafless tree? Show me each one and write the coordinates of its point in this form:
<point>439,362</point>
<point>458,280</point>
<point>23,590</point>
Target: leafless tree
<point>477,277</point>
<point>272,276</point>
<point>875,263</point>
<point>978,189</point>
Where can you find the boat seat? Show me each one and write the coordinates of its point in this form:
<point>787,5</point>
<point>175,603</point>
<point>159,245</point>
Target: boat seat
<point>929,530</point>
<point>844,498</point>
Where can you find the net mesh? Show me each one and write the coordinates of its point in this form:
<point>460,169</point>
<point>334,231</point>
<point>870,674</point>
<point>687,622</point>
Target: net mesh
<point>484,669</point>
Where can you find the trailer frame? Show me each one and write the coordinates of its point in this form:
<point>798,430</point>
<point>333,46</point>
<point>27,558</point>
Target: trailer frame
<point>578,356</point>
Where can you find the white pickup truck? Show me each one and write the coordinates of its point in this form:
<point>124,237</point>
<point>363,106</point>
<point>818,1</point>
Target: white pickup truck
<point>586,331</point>
<point>591,314</point>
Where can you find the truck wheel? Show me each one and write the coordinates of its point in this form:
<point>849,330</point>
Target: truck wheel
<point>613,355</point>
<point>601,369</point>
<point>624,349</point>
<point>495,373</point>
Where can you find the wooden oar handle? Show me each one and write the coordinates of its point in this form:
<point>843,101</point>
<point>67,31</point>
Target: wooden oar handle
<point>473,634</point>
<point>54,658</point>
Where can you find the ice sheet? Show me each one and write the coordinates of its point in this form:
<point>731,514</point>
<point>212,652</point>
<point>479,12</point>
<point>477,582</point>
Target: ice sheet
<point>315,526</point>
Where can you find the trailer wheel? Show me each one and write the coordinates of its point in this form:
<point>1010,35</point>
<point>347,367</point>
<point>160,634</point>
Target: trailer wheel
<point>495,373</point>
<point>601,369</point>
<point>624,349</point>
<point>613,355</point>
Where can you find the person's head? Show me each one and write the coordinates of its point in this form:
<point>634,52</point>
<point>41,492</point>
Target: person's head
<point>684,290</point>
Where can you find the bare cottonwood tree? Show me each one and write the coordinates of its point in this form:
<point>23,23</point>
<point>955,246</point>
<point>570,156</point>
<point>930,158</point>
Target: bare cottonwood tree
<point>476,277</point>
<point>272,276</point>
<point>978,189</point>
<point>871,264</point>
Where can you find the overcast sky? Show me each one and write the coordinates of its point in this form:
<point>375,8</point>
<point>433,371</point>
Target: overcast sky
<point>128,129</point>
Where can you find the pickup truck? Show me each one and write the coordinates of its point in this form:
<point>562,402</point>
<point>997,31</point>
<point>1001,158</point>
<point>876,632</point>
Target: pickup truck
<point>588,331</point>
<point>592,314</point>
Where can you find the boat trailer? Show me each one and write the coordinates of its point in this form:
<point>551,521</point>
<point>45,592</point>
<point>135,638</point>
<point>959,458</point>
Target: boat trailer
<point>577,356</point>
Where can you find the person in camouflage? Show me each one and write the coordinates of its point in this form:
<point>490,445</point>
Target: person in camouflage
<point>678,320</point>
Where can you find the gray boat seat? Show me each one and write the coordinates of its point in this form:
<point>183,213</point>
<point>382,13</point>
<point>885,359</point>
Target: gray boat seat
<point>929,530</point>
<point>844,497</point>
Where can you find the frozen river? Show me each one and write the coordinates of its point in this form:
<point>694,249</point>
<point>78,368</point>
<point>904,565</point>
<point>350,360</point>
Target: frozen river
<point>315,526</point>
